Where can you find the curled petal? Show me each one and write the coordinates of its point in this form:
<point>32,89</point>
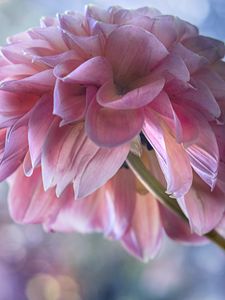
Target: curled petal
<point>133,52</point>
<point>203,208</point>
<point>110,128</point>
<point>36,84</point>
<point>95,71</point>
<point>69,101</point>
<point>108,95</point>
<point>166,149</point>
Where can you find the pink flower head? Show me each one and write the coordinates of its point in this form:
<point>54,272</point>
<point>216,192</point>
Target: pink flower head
<point>79,91</point>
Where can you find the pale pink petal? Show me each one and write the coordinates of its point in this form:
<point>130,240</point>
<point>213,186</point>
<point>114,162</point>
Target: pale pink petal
<point>204,153</point>
<point>133,52</point>
<point>69,101</point>
<point>122,189</point>
<point>110,128</point>
<point>201,99</point>
<point>166,149</point>
<point>16,147</point>
<point>192,60</point>
<point>145,234</point>
<point>68,155</point>
<point>35,84</point>
<point>72,23</point>
<point>89,46</point>
<point>51,35</point>
<point>109,96</point>
<point>173,66</point>
<point>37,131</point>
<point>90,178</point>
<point>94,71</point>
<point>14,70</point>
<point>28,202</point>
<point>54,60</point>
<point>203,208</point>
<point>93,213</point>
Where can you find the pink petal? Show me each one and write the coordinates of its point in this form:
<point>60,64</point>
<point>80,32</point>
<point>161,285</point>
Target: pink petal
<point>144,237</point>
<point>72,23</point>
<point>93,213</point>
<point>133,52</point>
<point>201,99</point>
<point>14,70</point>
<point>89,46</point>
<point>37,131</point>
<point>203,208</point>
<point>177,229</point>
<point>36,84</point>
<point>210,48</point>
<point>192,60</point>
<point>13,106</point>
<point>69,101</point>
<point>90,178</point>
<point>51,35</point>
<point>54,60</point>
<point>167,149</point>
<point>95,71</point>
<point>110,128</point>
<point>204,153</point>
<point>28,202</point>
<point>173,66</point>
<point>122,188</point>
<point>16,147</point>
<point>108,95</point>
<point>68,155</point>
<point>213,81</point>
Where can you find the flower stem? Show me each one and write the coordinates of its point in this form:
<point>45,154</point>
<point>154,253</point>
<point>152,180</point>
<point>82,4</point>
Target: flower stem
<point>155,188</point>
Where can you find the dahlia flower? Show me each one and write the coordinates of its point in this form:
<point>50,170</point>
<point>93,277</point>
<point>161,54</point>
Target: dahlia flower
<point>79,93</point>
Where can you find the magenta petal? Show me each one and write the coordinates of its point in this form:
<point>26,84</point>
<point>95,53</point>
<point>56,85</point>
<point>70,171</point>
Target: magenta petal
<point>133,52</point>
<point>108,96</point>
<point>166,149</point>
<point>28,202</point>
<point>94,71</point>
<point>37,131</point>
<point>69,101</point>
<point>204,208</point>
<point>144,237</point>
<point>110,128</point>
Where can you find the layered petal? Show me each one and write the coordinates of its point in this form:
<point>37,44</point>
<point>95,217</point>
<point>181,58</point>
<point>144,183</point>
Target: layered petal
<point>145,234</point>
<point>204,208</point>
<point>109,128</point>
<point>133,52</point>
<point>166,149</point>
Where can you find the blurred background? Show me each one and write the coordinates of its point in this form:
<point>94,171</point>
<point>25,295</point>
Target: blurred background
<point>35,265</point>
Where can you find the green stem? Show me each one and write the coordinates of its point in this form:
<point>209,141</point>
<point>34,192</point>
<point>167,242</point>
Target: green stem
<point>155,188</point>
